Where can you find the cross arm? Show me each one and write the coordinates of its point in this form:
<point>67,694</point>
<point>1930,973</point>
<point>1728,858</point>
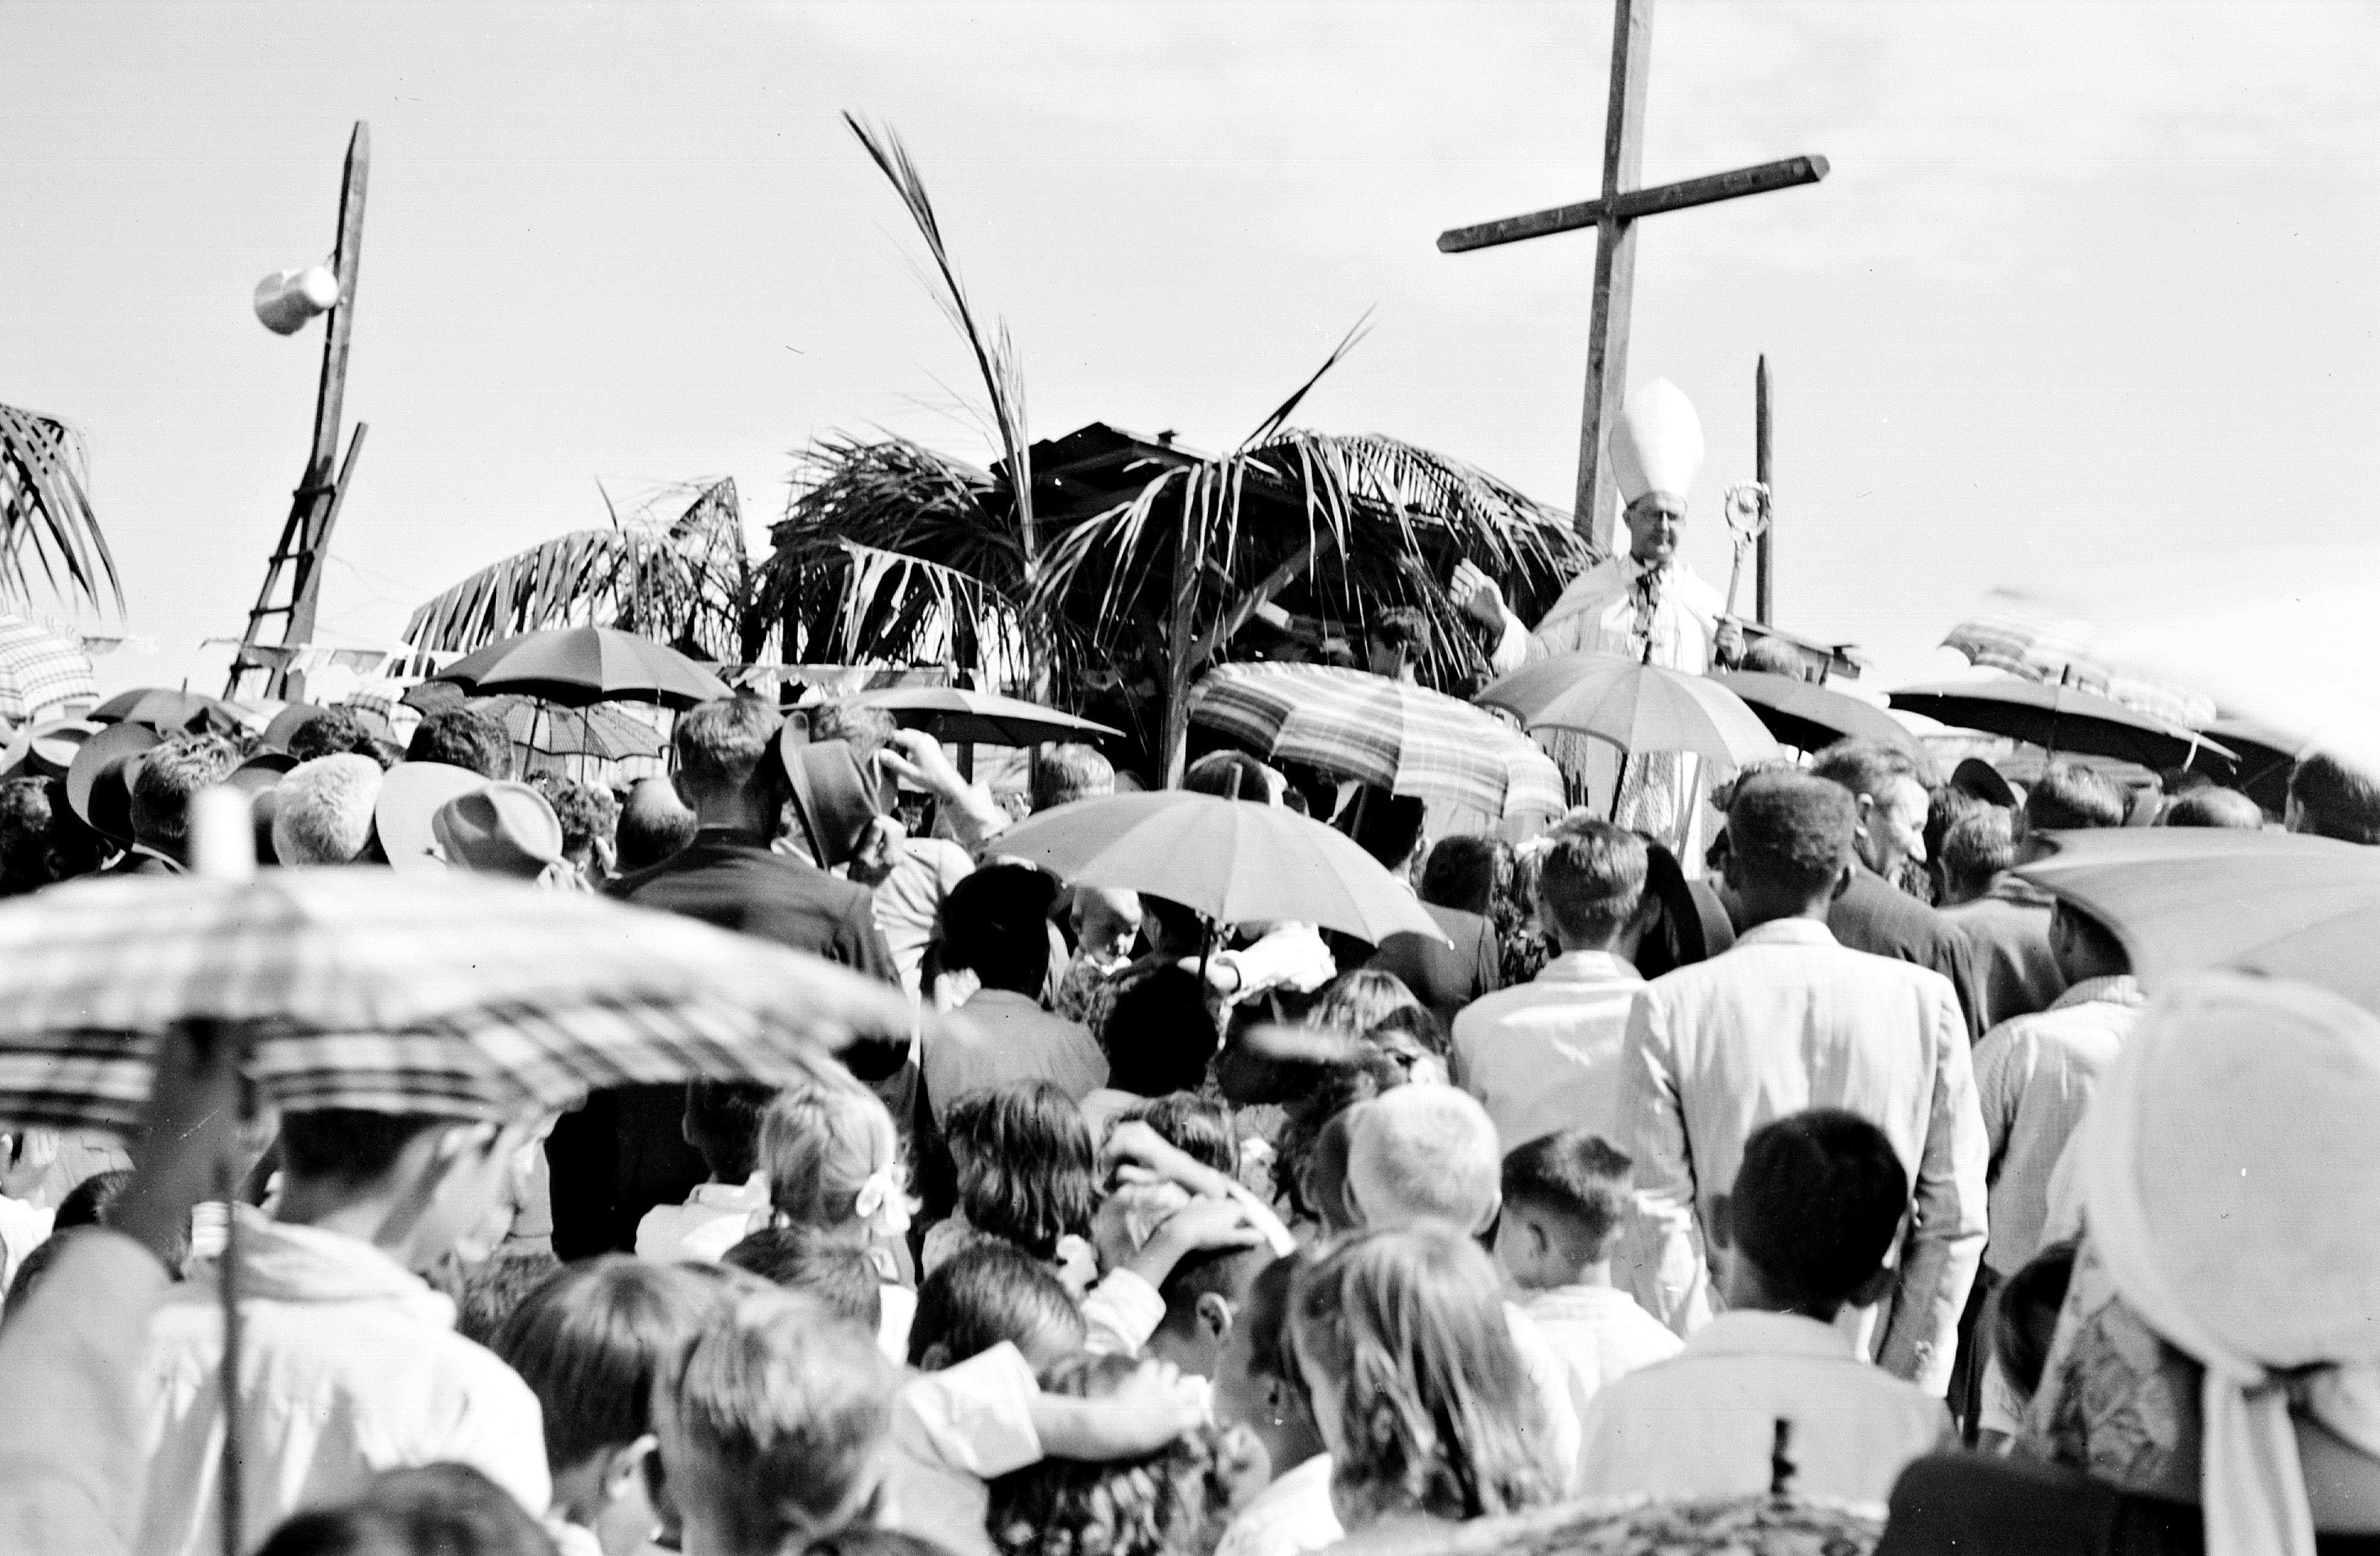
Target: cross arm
<point>1632,203</point>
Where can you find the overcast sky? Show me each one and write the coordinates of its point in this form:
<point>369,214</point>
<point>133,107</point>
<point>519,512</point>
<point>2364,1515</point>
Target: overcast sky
<point>2088,280</point>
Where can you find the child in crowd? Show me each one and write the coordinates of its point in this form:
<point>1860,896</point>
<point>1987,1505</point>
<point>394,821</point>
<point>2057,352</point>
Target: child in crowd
<point>1816,1206</point>
<point>487,1293</point>
<point>773,1419</point>
<point>1106,922</point>
<point>1164,1503</point>
<point>722,1124</point>
<point>841,1278</point>
<point>1028,1175</point>
<point>1566,1204</point>
<point>832,1162</point>
<point>1284,1508</point>
<point>589,1342</point>
<point>1158,1038</point>
<point>1429,1154</point>
<point>1406,1360</point>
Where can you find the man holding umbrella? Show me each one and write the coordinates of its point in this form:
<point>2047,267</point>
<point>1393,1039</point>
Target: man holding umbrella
<point>1647,605</point>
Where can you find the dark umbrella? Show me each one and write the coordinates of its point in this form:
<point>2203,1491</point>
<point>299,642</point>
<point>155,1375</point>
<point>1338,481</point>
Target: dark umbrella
<point>169,710</point>
<point>576,666</point>
<point>2062,719</point>
<point>2267,756</point>
<point>288,722</point>
<point>1808,717</point>
<point>980,718</point>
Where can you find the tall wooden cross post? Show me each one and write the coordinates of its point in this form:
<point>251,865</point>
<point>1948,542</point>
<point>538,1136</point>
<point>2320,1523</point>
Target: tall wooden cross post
<point>1613,218</point>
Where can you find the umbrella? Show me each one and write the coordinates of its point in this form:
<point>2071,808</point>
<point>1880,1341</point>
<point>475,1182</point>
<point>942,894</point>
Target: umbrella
<point>2042,646</point>
<point>2269,754</point>
<point>1394,735</point>
<point>1808,717</point>
<point>41,675</point>
<point>285,723</point>
<point>1233,860</point>
<point>980,718</point>
<point>2060,719</point>
<point>451,994</point>
<point>604,733</point>
<point>1635,707</point>
<point>576,665</point>
<point>168,711</point>
<point>433,697</point>
<point>2185,899</point>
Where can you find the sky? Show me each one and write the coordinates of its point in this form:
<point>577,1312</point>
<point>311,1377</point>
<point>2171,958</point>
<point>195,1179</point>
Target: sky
<point>2089,281</point>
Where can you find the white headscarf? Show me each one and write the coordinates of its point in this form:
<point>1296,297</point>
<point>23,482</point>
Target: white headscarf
<point>2230,1176</point>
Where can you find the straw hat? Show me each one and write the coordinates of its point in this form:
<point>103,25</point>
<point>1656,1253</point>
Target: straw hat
<point>46,749</point>
<point>98,780</point>
<point>409,798</point>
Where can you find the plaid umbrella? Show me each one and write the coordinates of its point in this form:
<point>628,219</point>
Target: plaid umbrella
<point>1401,738</point>
<point>605,733</point>
<point>2045,646</point>
<point>41,675</point>
<point>447,994</point>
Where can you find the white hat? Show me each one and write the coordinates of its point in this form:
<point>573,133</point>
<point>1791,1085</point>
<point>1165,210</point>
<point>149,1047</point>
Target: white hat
<point>1656,444</point>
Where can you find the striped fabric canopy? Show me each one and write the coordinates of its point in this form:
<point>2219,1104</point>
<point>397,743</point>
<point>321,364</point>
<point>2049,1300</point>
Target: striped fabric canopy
<point>453,995</point>
<point>2049,649</point>
<point>1403,738</point>
<point>41,675</point>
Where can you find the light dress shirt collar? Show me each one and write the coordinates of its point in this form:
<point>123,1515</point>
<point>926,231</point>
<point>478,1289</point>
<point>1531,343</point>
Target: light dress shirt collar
<point>2120,990</point>
<point>1748,1332</point>
<point>1292,1514</point>
<point>1788,931</point>
<point>1587,966</point>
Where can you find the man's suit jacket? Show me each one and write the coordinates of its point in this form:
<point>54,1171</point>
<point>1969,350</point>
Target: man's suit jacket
<point>1877,916</point>
<point>1445,977</point>
<point>1788,1020</point>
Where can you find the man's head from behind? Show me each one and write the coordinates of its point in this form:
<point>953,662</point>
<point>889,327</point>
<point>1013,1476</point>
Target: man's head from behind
<point>831,1271</point>
<point>1566,1197</point>
<point>1789,845</point>
<point>996,924</point>
<point>466,738</point>
<point>722,1124</point>
<point>322,810</point>
<point>1591,886</point>
<point>726,757</point>
<point>653,826</point>
<point>1202,1299</point>
<point>2329,798</point>
<point>866,729</point>
<point>1889,793</point>
<point>2211,806</point>
<point>1461,872</point>
<point>1423,1153</point>
<point>2085,947</point>
<point>2070,797</point>
<point>1068,772</point>
<point>773,1421</point>
<point>170,775</point>
<point>1979,846</point>
<point>987,1293</point>
<point>1817,1204</point>
<point>1396,640</point>
<point>415,1185</point>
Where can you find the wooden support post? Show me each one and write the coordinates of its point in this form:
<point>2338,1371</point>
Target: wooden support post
<point>1595,510</point>
<point>1764,564</point>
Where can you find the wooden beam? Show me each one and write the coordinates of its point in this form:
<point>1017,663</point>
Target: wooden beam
<point>1615,263</point>
<point>329,401</point>
<point>1764,555</point>
<point>1767,177</point>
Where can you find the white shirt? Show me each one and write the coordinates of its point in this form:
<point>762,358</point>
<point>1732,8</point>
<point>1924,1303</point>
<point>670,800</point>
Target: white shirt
<point>714,1218</point>
<point>1597,613</point>
<point>24,1226</point>
<point>1703,1423</point>
<point>1563,1390</point>
<point>1288,1517</point>
<point>998,1037</point>
<point>1544,1055</point>
<point>2034,1077</point>
<point>1784,1021</point>
<point>953,1431</point>
<point>1603,1326</point>
<point>349,1366</point>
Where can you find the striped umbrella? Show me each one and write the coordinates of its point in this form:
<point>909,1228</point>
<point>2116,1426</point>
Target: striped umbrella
<point>41,675</point>
<point>447,994</point>
<point>1394,735</point>
<point>2042,646</point>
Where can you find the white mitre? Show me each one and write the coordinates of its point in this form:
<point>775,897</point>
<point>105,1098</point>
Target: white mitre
<point>1656,444</point>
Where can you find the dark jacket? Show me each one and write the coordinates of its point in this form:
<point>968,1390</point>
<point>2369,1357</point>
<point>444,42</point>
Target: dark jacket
<point>1879,918</point>
<point>1445,977</point>
<point>2007,936</point>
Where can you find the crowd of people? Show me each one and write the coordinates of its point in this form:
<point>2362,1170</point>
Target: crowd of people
<point>1170,1237</point>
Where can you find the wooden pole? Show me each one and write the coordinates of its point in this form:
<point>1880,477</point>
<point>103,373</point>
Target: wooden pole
<point>330,399</point>
<point>1764,566</point>
<point>1615,267</point>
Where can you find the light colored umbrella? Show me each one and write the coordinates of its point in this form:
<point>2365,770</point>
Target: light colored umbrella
<point>1638,708</point>
<point>605,733</point>
<point>1807,715</point>
<point>2186,899</point>
<point>1394,735</point>
<point>980,718</point>
<point>43,675</point>
<point>2063,719</point>
<point>2042,646</point>
<point>1234,860</point>
<point>576,665</point>
<point>169,711</point>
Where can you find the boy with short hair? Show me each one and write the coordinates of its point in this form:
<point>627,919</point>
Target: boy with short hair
<point>589,1342</point>
<point>798,1258</point>
<point>722,1124</point>
<point>1817,1204</point>
<point>1567,1200</point>
<point>350,1363</point>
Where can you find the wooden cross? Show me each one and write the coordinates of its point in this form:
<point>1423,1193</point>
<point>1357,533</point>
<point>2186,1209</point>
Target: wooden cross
<point>1613,218</point>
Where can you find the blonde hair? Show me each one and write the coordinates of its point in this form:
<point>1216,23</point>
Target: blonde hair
<point>1425,1152</point>
<point>820,1144</point>
<point>1406,1331</point>
<point>772,1419</point>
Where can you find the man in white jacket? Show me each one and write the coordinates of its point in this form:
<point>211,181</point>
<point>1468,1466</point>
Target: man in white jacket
<point>350,1362</point>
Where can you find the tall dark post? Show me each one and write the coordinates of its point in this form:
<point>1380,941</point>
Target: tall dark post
<point>1615,266</point>
<point>1764,557</point>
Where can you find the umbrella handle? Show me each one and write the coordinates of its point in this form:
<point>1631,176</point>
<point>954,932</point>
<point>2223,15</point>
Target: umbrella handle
<point>234,1497</point>
<point>1619,784</point>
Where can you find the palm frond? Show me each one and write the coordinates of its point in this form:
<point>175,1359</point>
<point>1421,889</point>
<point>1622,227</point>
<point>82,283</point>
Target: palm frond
<point>995,352</point>
<point>1288,407</point>
<point>46,512</point>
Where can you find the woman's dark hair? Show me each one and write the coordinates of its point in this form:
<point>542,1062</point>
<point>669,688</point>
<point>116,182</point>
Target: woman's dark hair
<point>1158,1034</point>
<point>2026,1315</point>
<point>996,924</point>
<point>982,1296</point>
<point>1028,1167</point>
<point>1156,1504</point>
<point>1464,872</point>
<point>1266,1313</point>
<point>88,1202</point>
<point>1418,1022</point>
<point>431,1510</point>
<point>1322,1093</point>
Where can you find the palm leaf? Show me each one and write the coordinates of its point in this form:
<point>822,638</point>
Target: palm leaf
<point>45,511</point>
